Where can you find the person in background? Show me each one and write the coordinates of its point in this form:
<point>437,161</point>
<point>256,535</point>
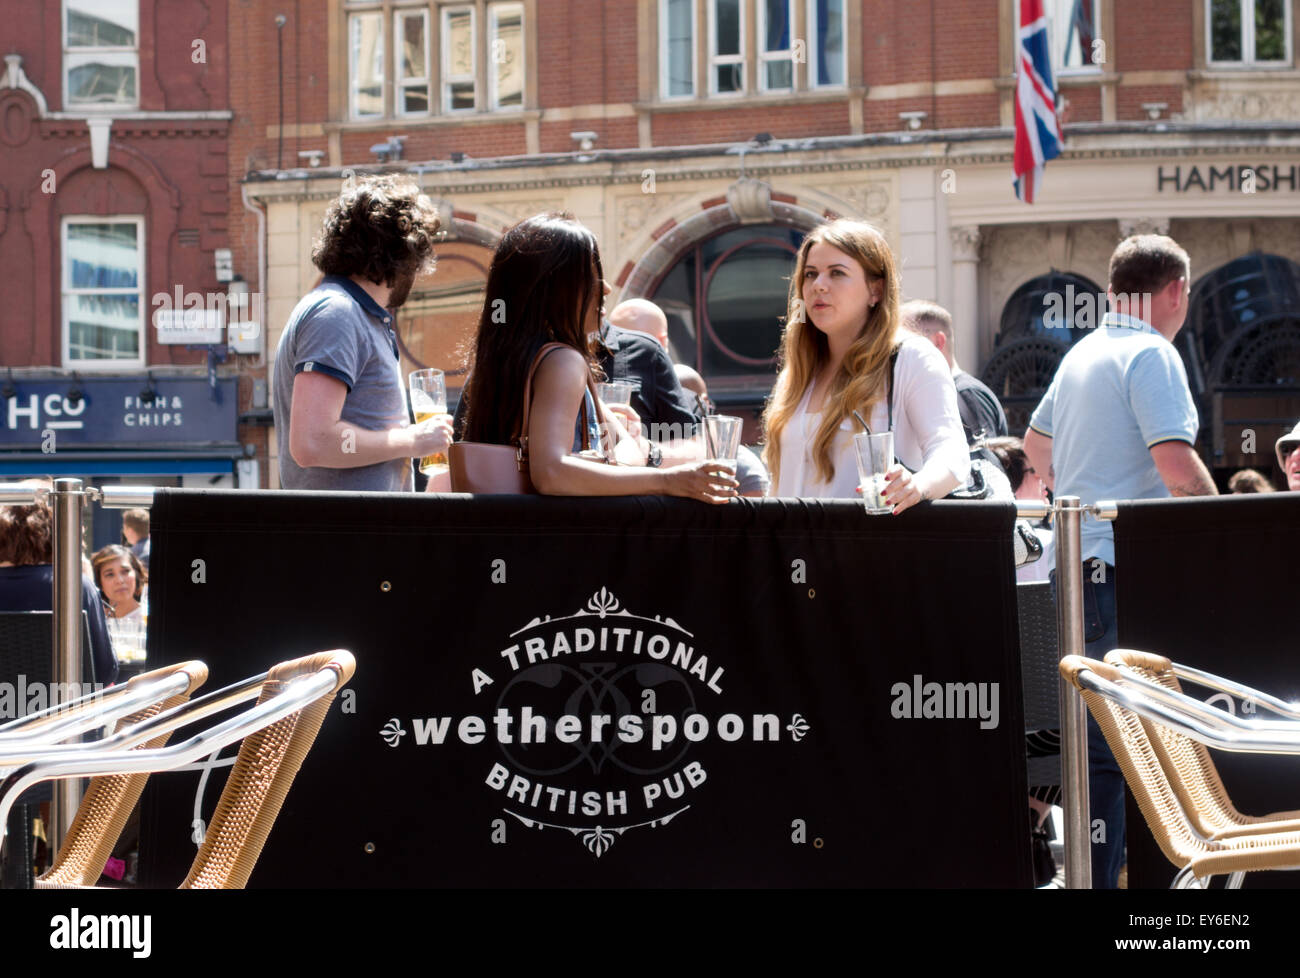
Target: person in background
<point>121,579</point>
<point>547,280</point>
<point>27,577</point>
<point>340,399</point>
<point>842,335</point>
<point>1118,422</point>
<point>135,528</point>
<point>643,316</point>
<point>981,412</point>
<point>1025,484</point>
<point>751,475</point>
<point>633,349</point>
<point>1249,481</point>
<point>1288,456</point>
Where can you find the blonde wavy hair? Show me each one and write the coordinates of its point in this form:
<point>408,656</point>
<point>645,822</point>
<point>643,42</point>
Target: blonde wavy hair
<point>861,379</point>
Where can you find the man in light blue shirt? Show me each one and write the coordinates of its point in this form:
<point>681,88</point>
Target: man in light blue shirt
<point>1118,422</point>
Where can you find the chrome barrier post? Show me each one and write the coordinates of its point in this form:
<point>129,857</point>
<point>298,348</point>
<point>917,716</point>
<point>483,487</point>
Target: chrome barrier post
<point>1074,718</point>
<point>66,501</point>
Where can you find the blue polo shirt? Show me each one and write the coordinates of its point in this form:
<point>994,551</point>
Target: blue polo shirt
<point>1117,392</point>
<point>338,330</point>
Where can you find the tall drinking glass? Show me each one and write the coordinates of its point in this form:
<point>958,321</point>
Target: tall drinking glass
<point>875,454</point>
<point>616,392</point>
<point>721,437</point>
<point>428,398</point>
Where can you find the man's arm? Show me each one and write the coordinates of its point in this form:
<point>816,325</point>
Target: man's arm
<point>1038,448</point>
<point>319,438</point>
<point>1182,470</point>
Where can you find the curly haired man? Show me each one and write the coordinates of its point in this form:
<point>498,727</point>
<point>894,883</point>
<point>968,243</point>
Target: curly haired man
<point>340,400</point>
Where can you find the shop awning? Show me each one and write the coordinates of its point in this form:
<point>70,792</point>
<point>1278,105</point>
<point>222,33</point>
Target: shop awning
<point>218,461</point>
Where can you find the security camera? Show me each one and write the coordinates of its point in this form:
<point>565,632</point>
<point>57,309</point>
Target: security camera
<point>585,139</point>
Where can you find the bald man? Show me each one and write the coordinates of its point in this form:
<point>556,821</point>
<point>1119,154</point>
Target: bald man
<point>630,355</point>
<point>643,316</point>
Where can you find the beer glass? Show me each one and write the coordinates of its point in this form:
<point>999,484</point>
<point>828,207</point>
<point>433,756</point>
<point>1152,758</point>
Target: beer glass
<point>429,397</point>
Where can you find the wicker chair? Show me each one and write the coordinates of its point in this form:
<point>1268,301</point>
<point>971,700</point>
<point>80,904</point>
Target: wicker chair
<point>1189,766</point>
<point>107,804</point>
<point>277,733</point>
<point>1122,710</point>
<point>109,800</point>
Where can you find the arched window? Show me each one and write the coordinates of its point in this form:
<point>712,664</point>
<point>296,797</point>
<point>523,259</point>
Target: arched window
<point>1243,323</point>
<point>725,299</point>
<point>1042,319</point>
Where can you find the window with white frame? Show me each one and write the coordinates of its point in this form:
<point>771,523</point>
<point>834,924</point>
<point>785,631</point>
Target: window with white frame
<point>776,45</point>
<point>826,43</point>
<point>506,49</point>
<point>726,47</point>
<point>411,33</point>
<point>458,59</point>
<point>101,54</point>
<point>751,47</point>
<point>1074,34</point>
<point>677,48</point>
<point>103,291</point>
<point>443,57</point>
<point>366,65</point>
<point>1248,33</point>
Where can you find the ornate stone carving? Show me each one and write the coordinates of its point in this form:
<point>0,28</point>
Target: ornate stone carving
<point>965,243</point>
<point>519,210</point>
<point>750,200</point>
<point>642,212</point>
<point>15,77</point>
<point>1143,225</point>
<point>1252,106</point>
<point>1278,237</point>
<point>1091,244</point>
<point>1205,243</point>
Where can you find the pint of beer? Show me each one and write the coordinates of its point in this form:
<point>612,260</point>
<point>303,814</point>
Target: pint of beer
<point>429,397</point>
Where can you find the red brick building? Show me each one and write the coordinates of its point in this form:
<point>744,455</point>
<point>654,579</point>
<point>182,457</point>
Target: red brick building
<point>115,203</point>
<point>700,139</point>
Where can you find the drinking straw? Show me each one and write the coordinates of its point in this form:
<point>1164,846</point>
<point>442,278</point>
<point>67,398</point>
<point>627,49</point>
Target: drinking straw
<point>865,426</point>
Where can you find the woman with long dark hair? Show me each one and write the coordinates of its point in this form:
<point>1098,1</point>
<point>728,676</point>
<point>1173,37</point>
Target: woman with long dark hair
<point>546,285</point>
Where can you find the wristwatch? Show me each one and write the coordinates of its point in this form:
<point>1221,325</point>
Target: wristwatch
<point>654,456</point>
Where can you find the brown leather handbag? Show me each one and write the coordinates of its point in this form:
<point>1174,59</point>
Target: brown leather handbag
<point>480,468</point>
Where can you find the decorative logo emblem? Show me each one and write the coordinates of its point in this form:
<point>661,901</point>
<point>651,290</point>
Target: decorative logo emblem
<point>393,732</point>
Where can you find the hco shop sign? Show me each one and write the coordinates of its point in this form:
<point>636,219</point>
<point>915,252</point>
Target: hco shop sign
<point>112,413</point>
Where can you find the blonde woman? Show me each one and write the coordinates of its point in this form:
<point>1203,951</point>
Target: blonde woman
<point>842,329</point>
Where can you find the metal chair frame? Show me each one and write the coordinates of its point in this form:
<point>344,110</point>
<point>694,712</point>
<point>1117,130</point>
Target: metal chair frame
<point>1214,728</point>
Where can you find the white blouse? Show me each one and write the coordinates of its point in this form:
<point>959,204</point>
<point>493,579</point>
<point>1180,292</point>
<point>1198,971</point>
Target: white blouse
<point>928,436</point>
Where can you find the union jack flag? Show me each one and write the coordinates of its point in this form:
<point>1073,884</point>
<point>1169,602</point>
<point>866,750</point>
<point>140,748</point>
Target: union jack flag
<point>1038,131</point>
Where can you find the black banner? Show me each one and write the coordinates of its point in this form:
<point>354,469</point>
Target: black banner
<point>612,692</point>
<point>1212,583</point>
